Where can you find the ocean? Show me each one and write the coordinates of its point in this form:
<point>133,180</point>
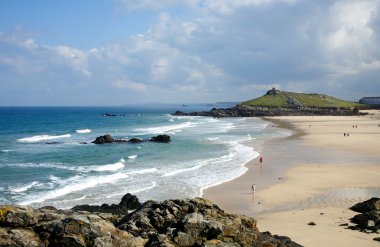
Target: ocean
<point>203,152</point>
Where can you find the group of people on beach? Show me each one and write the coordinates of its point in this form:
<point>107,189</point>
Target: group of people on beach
<point>253,187</point>
<point>348,134</point>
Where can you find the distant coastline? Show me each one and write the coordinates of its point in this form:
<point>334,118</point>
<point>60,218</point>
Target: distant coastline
<point>262,111</point>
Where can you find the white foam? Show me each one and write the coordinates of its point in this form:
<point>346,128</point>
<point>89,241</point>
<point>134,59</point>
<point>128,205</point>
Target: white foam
<point>84,183</point>
<point>110,167</point>
<point>84,131</point>
<point>24,187</point>
<point>182,170</point>
<point>40,138</point>
<point>41,165</point>
<point>55,178</point>
<point>213,138</point>
<point>134,191</point>
<point>187,117</point>
<point>132,156</point>
<point>122,160</point>
<point>7,150</point>
<point>166,128</point>
<point>240,154</point>
<point>143,171</point>
<point>144,189</point>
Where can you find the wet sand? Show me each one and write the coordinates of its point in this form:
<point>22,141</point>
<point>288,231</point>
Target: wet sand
<point>316,170</point>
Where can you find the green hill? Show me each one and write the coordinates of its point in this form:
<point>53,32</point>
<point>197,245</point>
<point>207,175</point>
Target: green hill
<point>277,98</point>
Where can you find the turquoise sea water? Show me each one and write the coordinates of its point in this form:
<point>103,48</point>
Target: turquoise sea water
<point>203,152</point>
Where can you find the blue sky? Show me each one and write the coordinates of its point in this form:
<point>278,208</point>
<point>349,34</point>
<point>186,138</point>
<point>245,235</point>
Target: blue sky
<point>114,52</point>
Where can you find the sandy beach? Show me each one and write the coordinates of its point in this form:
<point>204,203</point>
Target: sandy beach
<point>314,175</point>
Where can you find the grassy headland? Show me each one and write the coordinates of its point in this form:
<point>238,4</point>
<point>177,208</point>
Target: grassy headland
<point>277,98</point>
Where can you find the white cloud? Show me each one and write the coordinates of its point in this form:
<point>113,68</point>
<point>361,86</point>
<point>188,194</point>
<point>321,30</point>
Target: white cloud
<point>139,5</point>
<point>30,44</point>
<point>350,41</point>
<point>135,86</point>
<point>75,58</point>
<point>208,56</point>
<point>226,7</point>
<point>30,57</point>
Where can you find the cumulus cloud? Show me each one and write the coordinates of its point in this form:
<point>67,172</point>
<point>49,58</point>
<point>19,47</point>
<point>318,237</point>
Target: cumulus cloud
<point>135,86</point>
<point>26,55</point>
<point>223,50</point>
<point>75,58</point>
<point>133,5</point>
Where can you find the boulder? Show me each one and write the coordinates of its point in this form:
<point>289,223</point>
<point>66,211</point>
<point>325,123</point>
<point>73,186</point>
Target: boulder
<point>366,220</point>
<point>116,211</point>
<point>25,226</point>
<point>135,140</point>
<point>367,206</point>
<point>104,139</point>
<point>130,201</point>
<point>160,138</point>
<point>369,219</point>
<point>195,222</point>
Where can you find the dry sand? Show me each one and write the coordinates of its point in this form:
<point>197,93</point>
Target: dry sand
<point>313,176</point>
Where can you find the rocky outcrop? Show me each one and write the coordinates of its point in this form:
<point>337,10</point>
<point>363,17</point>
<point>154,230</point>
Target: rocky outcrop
<point>135,140</point>
<point>370,205</point>
<point>109,139</point>
<point>112,212</point>
<point>160,138</point>
<point>25,226</point>
<point>104,139</point>
<point>273,91</point>
<point>369,219</point>
<point>113,115</point>
<point>258,111</point>
<point>195,222</point>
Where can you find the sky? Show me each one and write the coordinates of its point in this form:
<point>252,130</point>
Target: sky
<point>117,52</point>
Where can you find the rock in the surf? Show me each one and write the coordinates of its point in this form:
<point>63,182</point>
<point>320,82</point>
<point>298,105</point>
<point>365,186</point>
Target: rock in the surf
<point>135,140</point>
<point>104,139</point>
<point>160,138</point>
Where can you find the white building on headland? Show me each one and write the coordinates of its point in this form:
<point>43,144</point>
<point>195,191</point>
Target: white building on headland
<point>370,100</point>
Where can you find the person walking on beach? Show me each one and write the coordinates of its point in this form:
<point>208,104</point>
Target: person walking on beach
<point>261,159</point>
<point>253,189</point>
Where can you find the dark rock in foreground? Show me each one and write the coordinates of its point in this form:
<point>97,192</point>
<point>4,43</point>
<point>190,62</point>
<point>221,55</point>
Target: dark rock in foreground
<point>195,222</point>
<point>25,226</point>
<point>369,219</point>
<point>127,203</point>
<point>160,138</point>
<point>367,206</point>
